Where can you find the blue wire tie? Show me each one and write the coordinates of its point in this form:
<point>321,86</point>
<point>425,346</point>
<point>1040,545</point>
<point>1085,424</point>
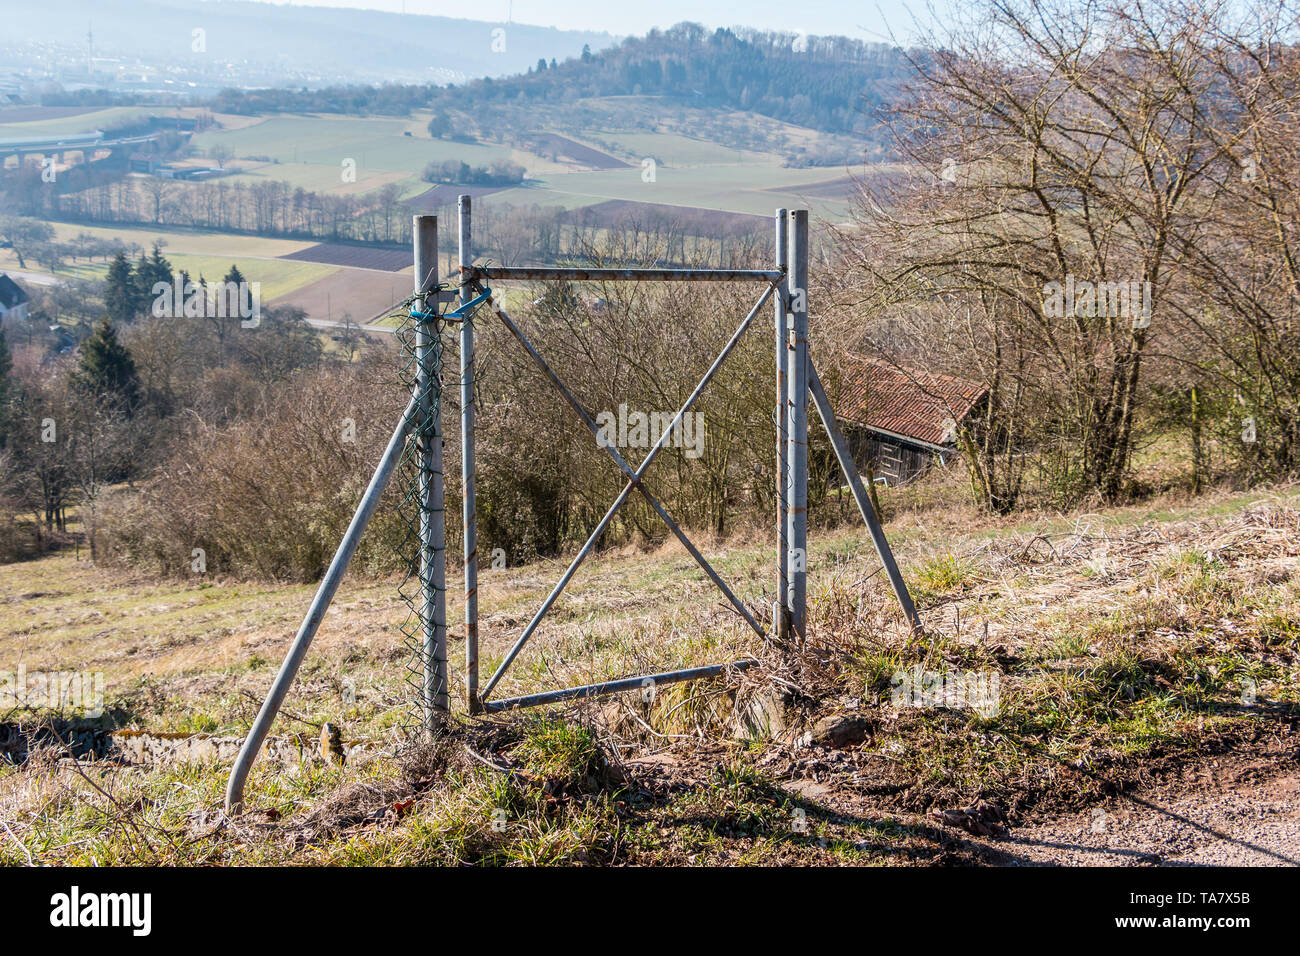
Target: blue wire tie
<point>457,313</point>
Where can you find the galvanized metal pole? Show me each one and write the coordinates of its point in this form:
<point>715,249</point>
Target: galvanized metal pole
<point>850,470</point>
<point>781,606</point>
<point>797,421</point>
<point>469,507</point>
<point>433,529</point>
<point>316,613</point>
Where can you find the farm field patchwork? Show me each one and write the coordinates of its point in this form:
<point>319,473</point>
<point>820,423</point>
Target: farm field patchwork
<point>194,241</point>
<point>695,177</point>
<point>674,149</point>
<point>308,152</point>
<point>320,178</point>
<point>357,257</point>
<point>372,143</point>
<point>360,295</point>
<point>743,189</point>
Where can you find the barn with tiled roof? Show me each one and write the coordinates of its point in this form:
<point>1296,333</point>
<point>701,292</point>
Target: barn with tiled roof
<point>899,420</point>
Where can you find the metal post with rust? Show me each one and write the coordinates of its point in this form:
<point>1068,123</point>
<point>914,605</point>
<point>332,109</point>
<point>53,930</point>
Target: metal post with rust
<point>469,508</point>
<point>489,273</point>
<point>797,420</point>
<point>781,606</point>
<point>433,529</point>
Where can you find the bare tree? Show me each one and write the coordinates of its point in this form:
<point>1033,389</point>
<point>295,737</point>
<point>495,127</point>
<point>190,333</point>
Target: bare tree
<point>1058,155</point>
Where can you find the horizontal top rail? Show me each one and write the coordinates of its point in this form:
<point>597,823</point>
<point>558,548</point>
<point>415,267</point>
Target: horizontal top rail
<point>506,274</point>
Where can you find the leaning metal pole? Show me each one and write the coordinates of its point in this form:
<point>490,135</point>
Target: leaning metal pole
<point>469,506</point>
<point>316,613</point>
<point>850,470</point>
<point>797,422</point>
<point>433,530</point>
<point>781,606</point>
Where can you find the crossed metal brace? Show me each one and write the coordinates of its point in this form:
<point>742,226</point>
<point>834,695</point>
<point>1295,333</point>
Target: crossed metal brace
<point>633,482</point>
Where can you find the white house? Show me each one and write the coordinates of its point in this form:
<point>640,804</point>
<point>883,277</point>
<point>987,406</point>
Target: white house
<point>13,300</point>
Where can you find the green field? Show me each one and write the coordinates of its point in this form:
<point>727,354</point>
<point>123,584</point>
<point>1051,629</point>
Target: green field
<point>324,179</point>
<point>374,143</point>
<point>81,123</point>
<point>196,241</point>
<point>207,254</point>
<point>278,277</point>
<point>743,188</point>
<point>674,149</point>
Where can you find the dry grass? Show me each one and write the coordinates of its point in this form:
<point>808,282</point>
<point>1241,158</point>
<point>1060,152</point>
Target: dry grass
<point>1120,639</point>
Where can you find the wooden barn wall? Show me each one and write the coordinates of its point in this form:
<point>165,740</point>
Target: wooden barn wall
<point>896,461</point>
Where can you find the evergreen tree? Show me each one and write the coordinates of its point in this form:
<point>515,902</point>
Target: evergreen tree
<point>6,363</point>
<point>141,293</point>
<point>119,295</point>
<point>186,283</point>
<point>106,369</point>
<point>150,272</point>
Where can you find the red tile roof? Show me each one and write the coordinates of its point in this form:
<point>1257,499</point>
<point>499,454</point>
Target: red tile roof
<point>907,402</point>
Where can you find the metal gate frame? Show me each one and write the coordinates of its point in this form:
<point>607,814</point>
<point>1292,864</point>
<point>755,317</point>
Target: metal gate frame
<point>797,383</point>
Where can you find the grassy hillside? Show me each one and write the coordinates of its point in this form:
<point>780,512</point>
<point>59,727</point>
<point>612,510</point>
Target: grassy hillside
<point>1131,648</point>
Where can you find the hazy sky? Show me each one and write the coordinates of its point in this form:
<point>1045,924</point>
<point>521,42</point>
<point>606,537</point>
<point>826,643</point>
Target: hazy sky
<point>860,19</point>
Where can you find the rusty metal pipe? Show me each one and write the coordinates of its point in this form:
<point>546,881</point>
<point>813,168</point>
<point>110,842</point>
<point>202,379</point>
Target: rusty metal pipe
<point>543,274</point>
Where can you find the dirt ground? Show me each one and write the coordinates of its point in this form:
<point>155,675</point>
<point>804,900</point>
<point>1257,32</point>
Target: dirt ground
<point>1254,823</point>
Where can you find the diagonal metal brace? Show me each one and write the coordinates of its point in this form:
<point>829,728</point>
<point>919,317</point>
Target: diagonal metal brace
<point>319,604</point>
<point>850,470</point>
<point>634,480</point>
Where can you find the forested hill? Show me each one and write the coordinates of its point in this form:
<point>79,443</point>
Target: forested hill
<point>833,84</point>
<point>818,82</point>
